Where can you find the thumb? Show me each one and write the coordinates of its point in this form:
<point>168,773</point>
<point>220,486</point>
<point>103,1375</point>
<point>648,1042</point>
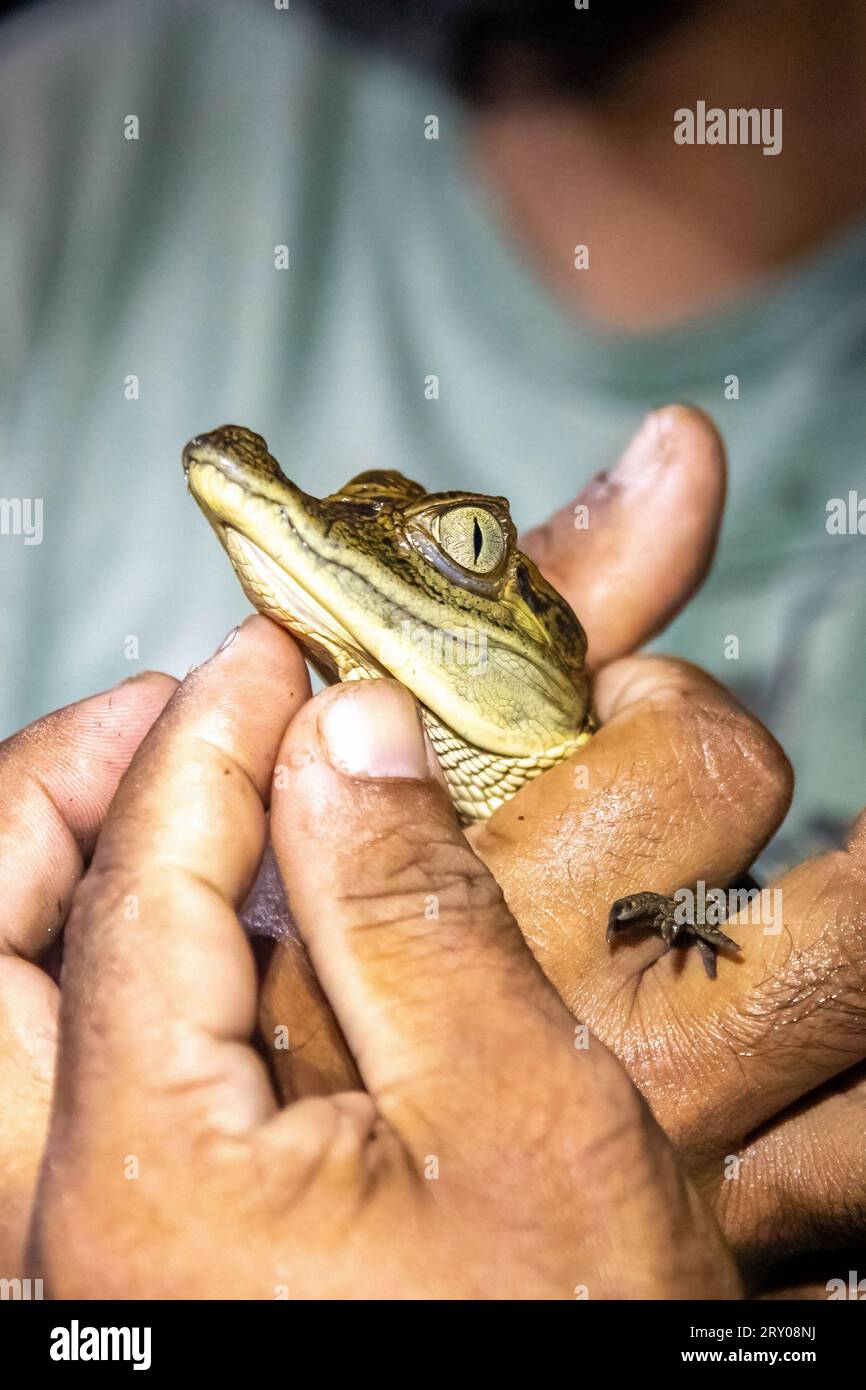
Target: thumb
<point>439,998</point>
<point>464,1047</point>
<point>630,550</point>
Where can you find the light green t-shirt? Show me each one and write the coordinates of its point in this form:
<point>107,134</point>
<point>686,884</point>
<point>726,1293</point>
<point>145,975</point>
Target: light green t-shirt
<point>154,258</point>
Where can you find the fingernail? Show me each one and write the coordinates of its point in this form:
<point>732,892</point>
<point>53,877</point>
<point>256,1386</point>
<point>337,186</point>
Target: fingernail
<point>224,644</point>
<point>227,640</point>
<point>372,728</point>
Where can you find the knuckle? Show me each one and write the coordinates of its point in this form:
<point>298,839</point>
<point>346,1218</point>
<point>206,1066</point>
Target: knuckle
<point>732,743</point>
<point>763,759</point>
<point>411,868</point>
<point>731,764</point>
<point>819,971</point>
<point>424,898</point>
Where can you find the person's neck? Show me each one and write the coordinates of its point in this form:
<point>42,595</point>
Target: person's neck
<point>675,229</point>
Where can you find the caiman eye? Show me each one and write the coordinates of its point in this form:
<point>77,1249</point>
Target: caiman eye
<point>472,537</point>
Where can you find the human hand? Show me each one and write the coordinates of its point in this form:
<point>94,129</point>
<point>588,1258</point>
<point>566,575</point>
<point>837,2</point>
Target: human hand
<point>681,785</point>
<point>757,1077</point>
<point>748,1074</point>
<point>57,778</point>
<point>488,1156</point>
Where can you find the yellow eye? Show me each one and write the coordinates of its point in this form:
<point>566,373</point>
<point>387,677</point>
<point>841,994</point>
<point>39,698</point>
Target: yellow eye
<point>472,537</point>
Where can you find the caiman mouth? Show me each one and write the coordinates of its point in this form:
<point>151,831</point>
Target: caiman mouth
<point>297,607</point>
<point>234,504</point>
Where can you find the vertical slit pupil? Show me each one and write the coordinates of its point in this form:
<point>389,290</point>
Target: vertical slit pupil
<point>477,538</point>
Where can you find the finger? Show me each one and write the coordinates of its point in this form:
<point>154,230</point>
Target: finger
<point>636,543</point>
<point>408,933</point>
<point>801,980</point>
<point>800,1182</point>
<point>57,778</point>
<point>308,1053</point>
<point>159,984</point>
<point>28,1014</point>
<point>679,784</point>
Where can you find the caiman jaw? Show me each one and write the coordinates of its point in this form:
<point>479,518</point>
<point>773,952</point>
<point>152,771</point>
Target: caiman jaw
<point>223,491</point>
<point>278,595</point>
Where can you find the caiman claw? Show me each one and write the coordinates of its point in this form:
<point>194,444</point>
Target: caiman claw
<point>654,912</point>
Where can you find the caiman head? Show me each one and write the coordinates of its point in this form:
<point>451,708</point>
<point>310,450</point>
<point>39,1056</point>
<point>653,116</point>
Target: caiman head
<point>385,579</point>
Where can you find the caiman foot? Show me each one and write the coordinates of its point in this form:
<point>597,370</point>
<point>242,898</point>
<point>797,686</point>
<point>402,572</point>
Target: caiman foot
<point>656,913</point>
